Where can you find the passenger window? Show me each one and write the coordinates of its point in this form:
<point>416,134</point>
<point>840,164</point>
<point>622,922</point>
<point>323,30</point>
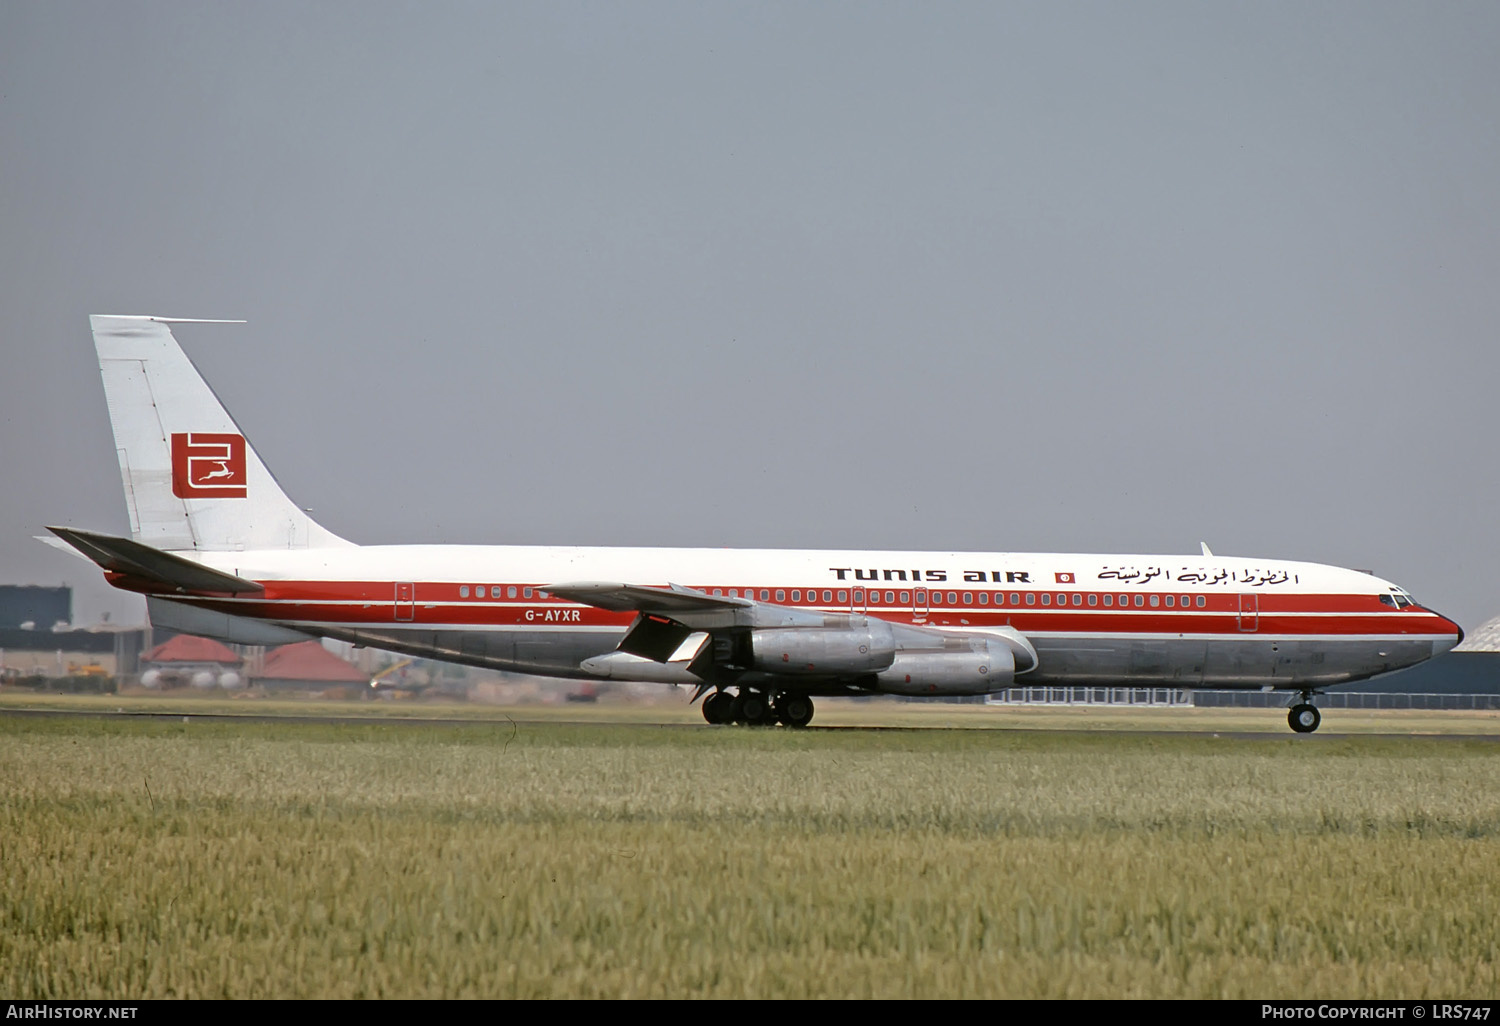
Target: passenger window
<point>1124,600</point>
<point>827,596</point>
<point>1187,600</point>
<point>510,592</point>
<point>1155,601</point>
<point>780,594</point>
<point>984,598</point>
<point>1046,598</point>
<point>719,592</point>
<point>1109,600</point>
<point>953,598</point>
<point>1093,600</point>
<point>463,591</point>
<point>890,598</point>
<point>1015,598</point>
<point>1062,600</point>
<point>843,596</point>
<point>859,596</point>
<point>1077,599</point>
<point>905,597</point>
<point>1140,600</point>
<point>765,594</point>
<point>1171,601</point>
<point>526,592</point>
<point>968,598</point>
<point>1201,602</point>
<point>796,595</point>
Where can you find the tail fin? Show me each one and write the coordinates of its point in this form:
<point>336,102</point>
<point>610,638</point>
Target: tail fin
<point>192,481</point>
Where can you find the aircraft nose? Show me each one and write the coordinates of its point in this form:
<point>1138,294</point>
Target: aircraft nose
<point>1445,644</point>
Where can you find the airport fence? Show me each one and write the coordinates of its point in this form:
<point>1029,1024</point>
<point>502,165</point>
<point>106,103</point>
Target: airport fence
<point>1187,699</point>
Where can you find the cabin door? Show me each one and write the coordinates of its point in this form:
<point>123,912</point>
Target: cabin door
<point>406,600</point>
<point>1249,612</point>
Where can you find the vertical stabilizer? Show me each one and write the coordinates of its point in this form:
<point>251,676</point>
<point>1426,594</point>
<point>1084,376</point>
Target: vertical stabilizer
<point>192,480</point>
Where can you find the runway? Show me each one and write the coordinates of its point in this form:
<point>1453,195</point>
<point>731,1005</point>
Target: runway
<point>620,717</point>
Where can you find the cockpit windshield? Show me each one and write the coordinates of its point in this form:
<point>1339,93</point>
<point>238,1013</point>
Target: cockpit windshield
<point>1398,599</point>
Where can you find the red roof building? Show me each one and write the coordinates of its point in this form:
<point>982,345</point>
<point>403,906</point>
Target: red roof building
<point>305,663</point>
<point>186,659</point>
<point>185,648</point>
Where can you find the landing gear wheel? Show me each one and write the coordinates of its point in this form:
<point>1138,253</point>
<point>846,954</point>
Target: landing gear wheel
<point>752,708</point>
<point>719,708</point>
<point>1304,718</point>
<point>794,710</point>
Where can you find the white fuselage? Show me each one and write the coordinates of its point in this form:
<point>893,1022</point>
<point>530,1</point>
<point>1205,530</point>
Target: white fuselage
<point>1125,619</point>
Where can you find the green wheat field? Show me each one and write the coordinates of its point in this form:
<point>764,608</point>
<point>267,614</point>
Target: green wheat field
<point>142,858</point>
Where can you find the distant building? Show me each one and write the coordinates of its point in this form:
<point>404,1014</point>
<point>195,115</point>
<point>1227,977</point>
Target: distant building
<point>36,606</point>
<point>69,653</point>
<point>1484,638</point>
<point>1455,673</point>
<point>187,660</point>
<point>307,665</point>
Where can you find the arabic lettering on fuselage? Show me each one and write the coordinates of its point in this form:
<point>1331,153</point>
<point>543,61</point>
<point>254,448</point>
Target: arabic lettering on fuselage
<point>1253,577</point>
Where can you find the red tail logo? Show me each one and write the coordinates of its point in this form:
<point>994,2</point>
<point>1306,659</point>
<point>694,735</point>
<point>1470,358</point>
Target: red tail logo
<point>208,466</point>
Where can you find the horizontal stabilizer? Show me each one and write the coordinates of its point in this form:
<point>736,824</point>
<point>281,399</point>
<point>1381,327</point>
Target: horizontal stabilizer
<point>123,556</point>
<point>61,546</point>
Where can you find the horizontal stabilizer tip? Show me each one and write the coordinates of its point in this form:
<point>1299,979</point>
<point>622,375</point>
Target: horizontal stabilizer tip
<point>123,556</point>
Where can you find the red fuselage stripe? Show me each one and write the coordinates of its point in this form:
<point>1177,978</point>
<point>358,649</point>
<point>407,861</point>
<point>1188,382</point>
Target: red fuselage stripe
<point>376,602</point>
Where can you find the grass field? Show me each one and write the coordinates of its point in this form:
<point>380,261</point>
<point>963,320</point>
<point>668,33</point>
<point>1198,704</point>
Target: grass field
<point>549,859</point>
<point>673,708</point>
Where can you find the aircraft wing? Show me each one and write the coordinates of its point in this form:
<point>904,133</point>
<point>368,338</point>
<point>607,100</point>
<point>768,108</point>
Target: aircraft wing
<point>672,600</point>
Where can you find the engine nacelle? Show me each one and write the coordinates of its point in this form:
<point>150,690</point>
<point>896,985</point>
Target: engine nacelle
<point>868,648</point>
<point>979,666</point>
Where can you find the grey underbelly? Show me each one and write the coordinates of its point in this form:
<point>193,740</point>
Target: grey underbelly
<point>1189,662</point>
<point>554,653</point>
<point>1183,662</point>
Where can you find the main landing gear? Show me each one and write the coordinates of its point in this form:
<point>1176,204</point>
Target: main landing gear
<point>1304,716</point>
<point>758,708</point>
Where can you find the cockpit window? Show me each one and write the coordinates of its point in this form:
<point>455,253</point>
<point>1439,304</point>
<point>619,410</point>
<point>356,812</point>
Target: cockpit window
<point>1389,600</point>
<point>1398,598</point>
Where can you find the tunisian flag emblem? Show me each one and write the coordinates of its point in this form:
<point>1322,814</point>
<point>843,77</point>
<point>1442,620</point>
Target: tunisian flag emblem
<point>1064,578</point>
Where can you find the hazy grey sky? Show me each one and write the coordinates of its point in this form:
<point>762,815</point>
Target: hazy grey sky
<point>1004,276</point>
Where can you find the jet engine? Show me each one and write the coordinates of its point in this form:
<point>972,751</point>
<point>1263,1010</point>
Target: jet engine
<point>965,666</point>
<point>867,648</point>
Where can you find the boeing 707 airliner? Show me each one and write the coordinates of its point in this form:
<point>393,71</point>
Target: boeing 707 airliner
<point>219,550</point>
